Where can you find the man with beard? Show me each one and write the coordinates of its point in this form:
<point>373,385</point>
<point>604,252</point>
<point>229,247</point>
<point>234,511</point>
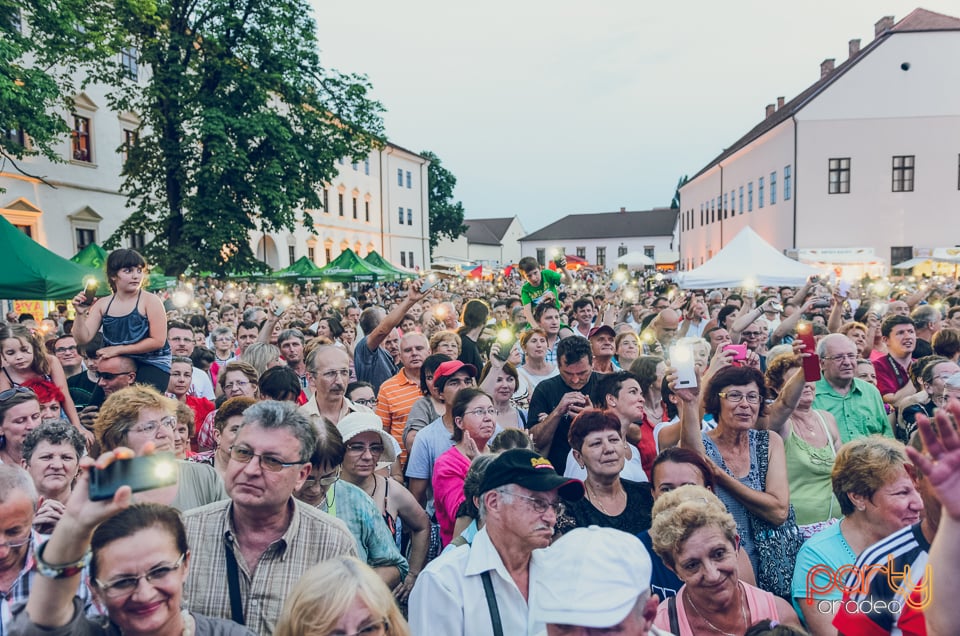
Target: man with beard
<point>398,394</point>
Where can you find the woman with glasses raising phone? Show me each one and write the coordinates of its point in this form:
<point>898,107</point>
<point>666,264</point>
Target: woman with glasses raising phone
<point>367,447</point>
<point>474,423</point>
<point>137,416</point>
<point>137,557</point>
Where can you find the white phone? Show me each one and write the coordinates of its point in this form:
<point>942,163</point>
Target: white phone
<point>681,359</point>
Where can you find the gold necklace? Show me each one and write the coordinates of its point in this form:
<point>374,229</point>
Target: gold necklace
<point>743,614</point>
<point>595,498</point>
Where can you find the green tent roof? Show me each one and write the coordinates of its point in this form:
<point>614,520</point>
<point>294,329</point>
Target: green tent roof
<point>350,268</point>
<point>376,260</point>
<point>302,268</point>
<point>92,256</point>
<point>32,272</point>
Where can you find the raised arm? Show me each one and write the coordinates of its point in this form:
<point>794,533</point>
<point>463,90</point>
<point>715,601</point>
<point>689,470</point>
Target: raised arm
<point>391,320</point>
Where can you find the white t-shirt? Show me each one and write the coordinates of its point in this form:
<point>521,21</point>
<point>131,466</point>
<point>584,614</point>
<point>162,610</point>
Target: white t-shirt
<point>632,468</point>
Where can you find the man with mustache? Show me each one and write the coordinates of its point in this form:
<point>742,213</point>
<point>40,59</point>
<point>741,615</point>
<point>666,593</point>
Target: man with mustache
<point>462,590</point>
<point>329,368</point>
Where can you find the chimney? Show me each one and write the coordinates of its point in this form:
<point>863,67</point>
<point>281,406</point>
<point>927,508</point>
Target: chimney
<point>826,67</point>
<point>854,47</point>
<point>771,109</point>
<point>882,25</point>
<point>622,210</point>
<point>779,103</point>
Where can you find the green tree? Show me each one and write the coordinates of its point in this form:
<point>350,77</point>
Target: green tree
<point>446,215</point>
<point>675,203</point>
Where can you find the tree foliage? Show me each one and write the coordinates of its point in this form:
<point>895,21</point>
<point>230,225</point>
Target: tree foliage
<point>240,126</point>
<point>675,203</point>
<point>446,215</point>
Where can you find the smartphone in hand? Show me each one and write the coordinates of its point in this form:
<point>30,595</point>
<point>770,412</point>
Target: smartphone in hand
<point>681,359</point>
<point>145,472</point>
<point>811,363</point>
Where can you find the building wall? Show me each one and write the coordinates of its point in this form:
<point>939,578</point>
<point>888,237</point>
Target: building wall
<point>492,255</point>
<point>873,112</point>
<point>660,244</point>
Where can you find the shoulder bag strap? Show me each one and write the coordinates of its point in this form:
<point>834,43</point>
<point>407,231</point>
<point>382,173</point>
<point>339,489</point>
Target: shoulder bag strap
<point>763,455</point>
<point>233,583</point>
<point>492,604</point>
<point>672,614</point>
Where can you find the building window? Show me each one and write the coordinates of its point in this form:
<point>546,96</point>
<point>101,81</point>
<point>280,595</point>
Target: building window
<point>327,255</point>
<point>648,251</point>
<point>400,213</point>
<point>130,138</point>
<point>80,138</point>
<point>85,237</point>
<point>787,183</point>
<point>582,252</point>
<point>839,180</point>
<point>750,197</point>
<point>602,256</point>
<point>733,202</point>
<point>136,241</point>
<point>356,166</point>
<point>16,136</point>
<point>773,188</point>
<point>410,260</point>
<point>903,173</point>
<point>26,229</point>
<point>701,214</point>
<point>340,202</point>
<point>399,177</point>
<point>291,253</point>
<point>725,206</point>
<point>760,193</point>
<point>403,259</point>
<point>900,254</point>
<point>621,251</point>
<point>366,166</point>
<point>128,61</point>
<point>409,179</point>
<point>311,254</point>
<point>326,201</point>
<point>355,207</point>
<point>409,216</point>
<point>366,211</point>
<point>541,255</point>
<point>741,200</point>
<point>342,160</point>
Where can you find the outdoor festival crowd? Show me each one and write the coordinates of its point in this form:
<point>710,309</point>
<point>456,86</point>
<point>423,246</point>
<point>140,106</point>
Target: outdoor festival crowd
<point>541,452</point>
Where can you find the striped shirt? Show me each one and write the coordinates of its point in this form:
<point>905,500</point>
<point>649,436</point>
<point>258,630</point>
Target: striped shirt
<point>394,401</point>
<point>311,537</point>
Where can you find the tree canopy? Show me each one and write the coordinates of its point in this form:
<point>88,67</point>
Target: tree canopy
<point>446,215</point>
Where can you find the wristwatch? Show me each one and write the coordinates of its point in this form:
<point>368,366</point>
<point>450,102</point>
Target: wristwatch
<point>60,571</point>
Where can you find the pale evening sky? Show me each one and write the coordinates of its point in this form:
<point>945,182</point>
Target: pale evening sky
<point>547,108</point>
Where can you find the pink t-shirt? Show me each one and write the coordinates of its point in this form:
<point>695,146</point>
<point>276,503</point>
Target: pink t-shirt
<point>449,473</point>
<point>761,605</point>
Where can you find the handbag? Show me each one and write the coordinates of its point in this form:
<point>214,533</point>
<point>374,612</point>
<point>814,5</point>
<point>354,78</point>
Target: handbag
<point>776,546</point>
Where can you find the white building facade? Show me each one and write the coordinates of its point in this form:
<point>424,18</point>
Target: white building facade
<point>863,166</point>
<point>493,242</point>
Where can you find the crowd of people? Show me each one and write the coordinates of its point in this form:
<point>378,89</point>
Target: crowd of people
<point>546,452</point>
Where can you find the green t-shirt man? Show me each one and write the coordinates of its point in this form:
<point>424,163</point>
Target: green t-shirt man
<point>539,283</point>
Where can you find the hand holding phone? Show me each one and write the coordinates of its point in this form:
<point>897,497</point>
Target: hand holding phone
<point>681,359</point>
<point>145,472</point>
<point>739,351</point>
<point>810,361</point>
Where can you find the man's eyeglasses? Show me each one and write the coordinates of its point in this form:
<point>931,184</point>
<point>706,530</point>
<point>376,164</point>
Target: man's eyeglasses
<point>366,401</point>
<point>9,393</point>
<point>852,357</point>
<point>735,397</point>
<point>150,428</point>
<point>751,334</point>
<point>540,506</point>
<point>16,543</point>
<point>127,584</point>
<point>359,449</point>
<point>331,376</point>
<point>110,377</point>
<point>272,464</point>
<point>65,349</point>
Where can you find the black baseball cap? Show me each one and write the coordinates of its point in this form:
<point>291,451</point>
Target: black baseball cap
<point>531,471</point>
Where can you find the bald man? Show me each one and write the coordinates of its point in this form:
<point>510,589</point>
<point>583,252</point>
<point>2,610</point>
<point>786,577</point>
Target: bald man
<point>398,394</point>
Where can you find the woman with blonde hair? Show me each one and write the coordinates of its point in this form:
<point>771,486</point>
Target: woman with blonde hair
<point>261,356</point>
<point>341,596</point>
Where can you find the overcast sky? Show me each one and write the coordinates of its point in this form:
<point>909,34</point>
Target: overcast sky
<point>547,108</point>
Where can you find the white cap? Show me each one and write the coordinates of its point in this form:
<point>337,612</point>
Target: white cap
<point>358,422</point>
<point>591,577</point>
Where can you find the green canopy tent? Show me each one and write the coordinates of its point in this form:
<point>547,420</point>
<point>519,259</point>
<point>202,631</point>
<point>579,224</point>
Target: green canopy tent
<point>376,260</point>
<point>92,256</point>
<point>302,269</point>
<point>350,268</point>
<point>32,272</point>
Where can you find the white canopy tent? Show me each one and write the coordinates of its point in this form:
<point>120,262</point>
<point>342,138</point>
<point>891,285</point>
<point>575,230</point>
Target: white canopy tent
<point>747,258</point>
<point>636,259</point>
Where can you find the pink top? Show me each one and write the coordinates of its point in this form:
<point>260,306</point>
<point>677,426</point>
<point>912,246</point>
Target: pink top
<point>449,473</point>
<point>761,605</point>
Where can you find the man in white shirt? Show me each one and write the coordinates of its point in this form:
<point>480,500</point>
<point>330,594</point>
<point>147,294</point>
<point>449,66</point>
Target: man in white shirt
<point>461,591</point>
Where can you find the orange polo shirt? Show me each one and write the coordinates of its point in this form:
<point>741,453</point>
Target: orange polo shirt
<point>394,401</point>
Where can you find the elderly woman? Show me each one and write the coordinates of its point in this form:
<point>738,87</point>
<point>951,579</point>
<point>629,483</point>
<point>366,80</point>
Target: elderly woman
<point>932,378</point>
<point>325,490</point>
<point>138,559</point>
<point>596,438</point>
<point>19,414</point>
<point>810,442</point>
<point>237,379</point>
<point>261,356</point>
<point>445,343</point>
<point>51,454</point>
<point>474,423</point>
<point>697,538</point>
<point>137,416</point>
<point>341,596</point>
<point>736,398</point>
<point>877,497</point>
<point>366,443</point>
